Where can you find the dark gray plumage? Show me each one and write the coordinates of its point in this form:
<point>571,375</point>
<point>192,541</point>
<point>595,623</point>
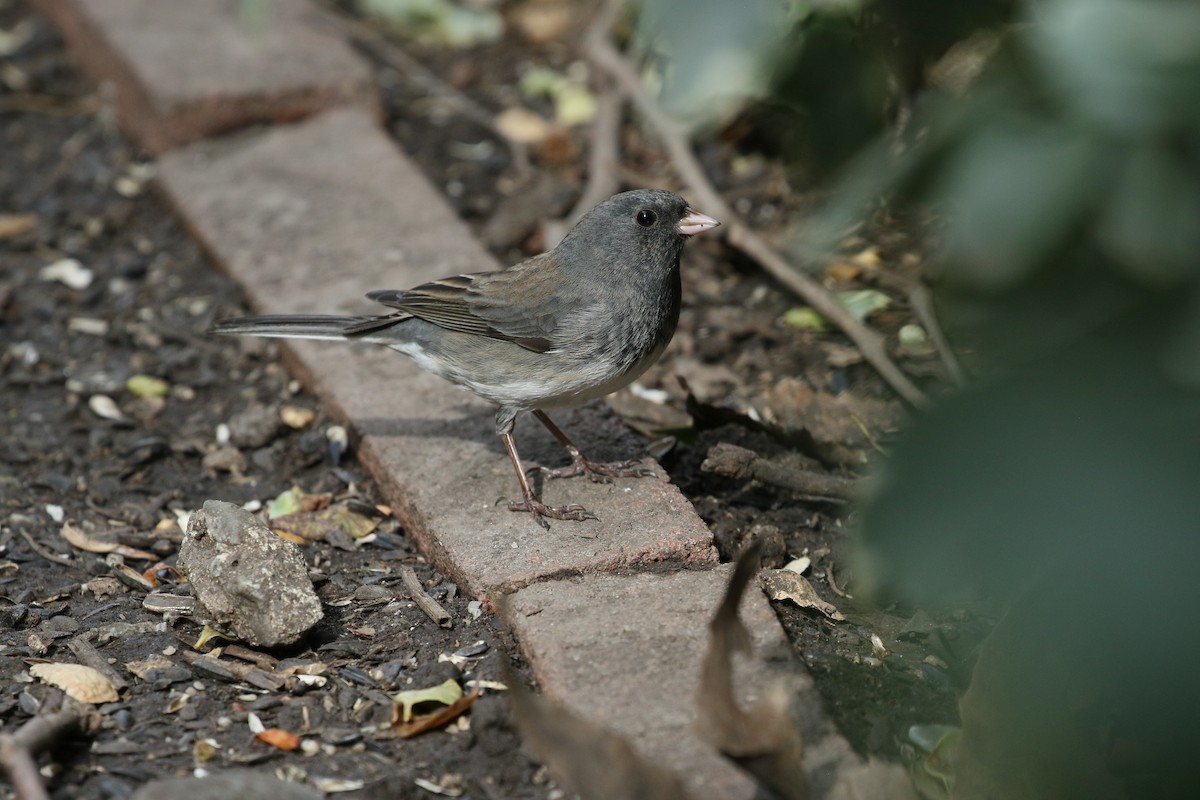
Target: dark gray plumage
<point>575,323</point>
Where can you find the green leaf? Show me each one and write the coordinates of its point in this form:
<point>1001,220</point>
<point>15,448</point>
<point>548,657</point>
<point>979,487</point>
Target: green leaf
<point>445,694</point>
<point>147,386</point>
<point>286,503</point>
<point>862,303</point>
<point>805,318</point>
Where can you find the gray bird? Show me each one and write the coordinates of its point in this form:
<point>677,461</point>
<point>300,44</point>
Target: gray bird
<point>561,328</point>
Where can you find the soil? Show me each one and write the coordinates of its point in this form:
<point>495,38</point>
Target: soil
<point>751,380</point>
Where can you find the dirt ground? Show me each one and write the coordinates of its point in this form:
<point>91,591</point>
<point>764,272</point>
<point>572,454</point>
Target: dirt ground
<point>77,445</point>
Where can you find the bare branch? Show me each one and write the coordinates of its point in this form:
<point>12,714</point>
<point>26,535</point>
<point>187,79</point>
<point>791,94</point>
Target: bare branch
<point>675,138</point>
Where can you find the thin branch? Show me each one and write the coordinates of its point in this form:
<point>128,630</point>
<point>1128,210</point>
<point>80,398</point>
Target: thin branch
<point>922,304</point>
<point>18,750</point>
<point>417,592</point>
<point>675,139</point>
<point>738,462</point>
<point>42,551</point>
<point>603,156</point>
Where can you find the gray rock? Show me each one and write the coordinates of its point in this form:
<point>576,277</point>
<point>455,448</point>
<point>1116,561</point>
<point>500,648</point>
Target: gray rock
<point>246,578</point>
<point>256,426</point>
<point>240,783</point>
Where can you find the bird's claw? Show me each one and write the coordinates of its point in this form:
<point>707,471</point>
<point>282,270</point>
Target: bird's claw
<point>599,473</point>
<point>541,511</point>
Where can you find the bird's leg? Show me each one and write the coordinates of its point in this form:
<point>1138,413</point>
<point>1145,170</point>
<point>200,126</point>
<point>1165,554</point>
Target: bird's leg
<point>530,503</point>
<point>599,473</point>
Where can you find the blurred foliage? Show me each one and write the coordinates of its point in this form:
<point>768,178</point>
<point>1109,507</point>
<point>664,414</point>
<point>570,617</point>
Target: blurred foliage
<point>1064,171</point>
<point>437,22</point>
<point>1064,483</point>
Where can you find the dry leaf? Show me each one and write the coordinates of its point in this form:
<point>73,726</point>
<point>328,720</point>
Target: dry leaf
<point>98,543</point>
<point>81,683</point>
<point>782,584</point>
<point>314,526</point>
<point>278,737</point>
<point>592,761</point>
<point>436,719</point>
<point>447,693</point>
<point>296,417</point>
<point>140,668</point>
<point>15,224</point>
<point>762,740</point>
<point>522,125</point>
<point>105,407</point>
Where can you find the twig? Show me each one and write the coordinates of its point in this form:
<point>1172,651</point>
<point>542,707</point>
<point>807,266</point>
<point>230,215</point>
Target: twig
<point>603,157</point>
<point>674,137</point>
<point>43,552</point>
<point>90,656</point>
<point>738,462</point>
<point>922,303</point>
<point>417,592</point>
<point>17,750</point>
<point>839,591</point>
<point>603,178</point>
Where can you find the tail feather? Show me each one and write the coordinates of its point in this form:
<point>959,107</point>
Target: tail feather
<point>291,326</point>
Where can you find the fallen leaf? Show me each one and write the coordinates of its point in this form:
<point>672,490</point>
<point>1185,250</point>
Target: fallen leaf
<point>542,21</point>
<point>296,417</point>
<point>98,543</point>
<point>522,125</point>
<point>445,693</point>
<point>437,788</point>
<point>296,500</point>
<point>280,738</point>
<point>782,584</point>
<point>80,682</point>
<point>435,719</point>
<point>805,318</point>
<point>862,303</point>
<point>764,739</point>
<point>147,386</point>
<point>843,271</point>
<point>336,785</point>
<point>105,407</point>
<point>798,565</point>
<point>140,668</point>
<point>314,526</point>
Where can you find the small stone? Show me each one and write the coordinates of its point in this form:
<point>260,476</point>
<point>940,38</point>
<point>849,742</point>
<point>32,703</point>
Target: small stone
<point>68,272</point>
<point>225,459</point>
<point>105,407</point>
<point>246,578</point>
<point>225,785</point>
<point>255,427</point>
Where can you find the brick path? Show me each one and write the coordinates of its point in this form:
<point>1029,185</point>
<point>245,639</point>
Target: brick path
<point>309,216</point>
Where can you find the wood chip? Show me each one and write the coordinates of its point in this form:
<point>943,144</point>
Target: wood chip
<point>417,592</point>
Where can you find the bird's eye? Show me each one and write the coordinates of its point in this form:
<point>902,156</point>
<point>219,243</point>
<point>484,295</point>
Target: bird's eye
<point>646,218</point>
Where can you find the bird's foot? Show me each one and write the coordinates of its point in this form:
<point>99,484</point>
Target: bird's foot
<point>600,473</point>
<point>541,511</point>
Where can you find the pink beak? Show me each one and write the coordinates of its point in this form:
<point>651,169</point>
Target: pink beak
<point>694,222</point>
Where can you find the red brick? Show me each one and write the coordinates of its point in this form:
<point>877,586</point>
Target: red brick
<point>309,218</point>
<point>190,69</point>
<point>625,651</point>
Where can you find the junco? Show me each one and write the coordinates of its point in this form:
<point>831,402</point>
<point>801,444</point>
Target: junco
<point>561,328</point>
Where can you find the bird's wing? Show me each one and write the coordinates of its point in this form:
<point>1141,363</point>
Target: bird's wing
<point>513,304</point>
